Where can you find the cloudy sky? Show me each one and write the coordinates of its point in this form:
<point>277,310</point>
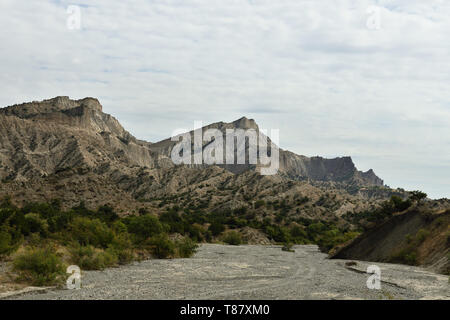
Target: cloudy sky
<point>368,79</point>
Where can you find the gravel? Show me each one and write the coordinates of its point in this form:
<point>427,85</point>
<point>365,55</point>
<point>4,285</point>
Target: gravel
<point>252,272</point>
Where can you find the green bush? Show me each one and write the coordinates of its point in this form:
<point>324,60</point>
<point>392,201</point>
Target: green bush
<point>34,223</point>
<point>162,247</point>
<point>122,247</point>
<point>107,214</point>
<point>399,204</point>
<point>186,248</point>
<point>421,235</point>
<point>90,258</point>
<point>333,237</point>
<point>119,227</point>
<point>405,256</point>
<point>277,233</point>
<point>417,195</point>
<point>91,232</point>
<point>410,258</point>
<point>216,228</point>
<point>40,266</point>
<point>195,232</point>
<point>6,244</point>
<point>144,227</point>
<point>233,238</point>
<point>287,247</point>
<point>298,235</point>
<point>174,221</point>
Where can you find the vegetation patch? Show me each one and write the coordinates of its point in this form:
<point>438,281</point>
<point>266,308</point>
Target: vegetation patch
<point>232,238</point>
<point>408,254</point>
<point>39,266</point>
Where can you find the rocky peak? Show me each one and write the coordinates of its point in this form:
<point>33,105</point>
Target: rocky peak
<point>99,137</point>
<point>245,123</point>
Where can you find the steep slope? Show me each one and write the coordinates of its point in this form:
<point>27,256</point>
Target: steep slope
<point>420,236</point>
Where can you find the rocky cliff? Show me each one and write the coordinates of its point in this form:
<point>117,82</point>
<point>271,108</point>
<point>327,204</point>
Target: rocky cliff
<point>70,149</point>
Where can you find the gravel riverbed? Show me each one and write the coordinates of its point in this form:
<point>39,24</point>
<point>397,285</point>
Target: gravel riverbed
<point>252,272</point>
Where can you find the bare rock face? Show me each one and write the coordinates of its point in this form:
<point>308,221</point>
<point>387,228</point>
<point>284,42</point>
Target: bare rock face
<point>317,168</point>
<point>41,138</point>
<point>70,149</point>
<point>294,166</point>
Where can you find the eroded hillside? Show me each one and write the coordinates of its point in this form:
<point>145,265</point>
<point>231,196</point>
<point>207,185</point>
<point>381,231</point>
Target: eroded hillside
<point>70,150</point>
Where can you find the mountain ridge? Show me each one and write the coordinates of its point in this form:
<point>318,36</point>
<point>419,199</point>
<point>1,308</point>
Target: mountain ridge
<point>87,113</point>
<point>71,150</point>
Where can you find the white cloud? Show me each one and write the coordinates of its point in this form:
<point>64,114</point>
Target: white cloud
<point>311,68</point>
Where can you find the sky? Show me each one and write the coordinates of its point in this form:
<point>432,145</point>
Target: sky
<point>367,79</point>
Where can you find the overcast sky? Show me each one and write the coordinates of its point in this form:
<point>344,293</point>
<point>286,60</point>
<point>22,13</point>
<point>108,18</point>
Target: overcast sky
<point>368,79</point>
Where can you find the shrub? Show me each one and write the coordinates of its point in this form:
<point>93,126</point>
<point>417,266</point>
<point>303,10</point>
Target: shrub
<point>40,266</point>
<point>287,247</point>
<point>298,234</point>
<point>329,239</point>
<point>421,235</point>
<point>417,195</point>
<point>59,221</point>
<point>34,223</point>
<point>122,247</point>
<point>277,233</point>
<point>399,204</point>
<point>405,256</point>
<point>90,258</point>
<point>208,236</point>
<point>409,238</point>
<point>216,228</point>
<point>186,248</point>
<point>107,214</point>
<point>410,258</point>
<point>259,204</point>
<point>91,232</point>
<point>240,211</point>
<point>232,238</point>
<point>119,227</point>
<point>144,227</point>
<point>162,247</point>
<point>6,244</point>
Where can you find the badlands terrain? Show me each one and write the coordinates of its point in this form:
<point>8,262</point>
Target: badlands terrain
<point>65,165</point>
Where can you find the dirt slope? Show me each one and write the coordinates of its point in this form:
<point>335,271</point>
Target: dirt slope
<point>418,237</point>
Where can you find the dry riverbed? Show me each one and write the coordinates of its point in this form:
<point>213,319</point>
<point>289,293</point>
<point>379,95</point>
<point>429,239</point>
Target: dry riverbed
<point>252,272</point>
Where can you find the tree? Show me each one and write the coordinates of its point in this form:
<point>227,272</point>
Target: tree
<point>417,196</point>
<point>144,227</point>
